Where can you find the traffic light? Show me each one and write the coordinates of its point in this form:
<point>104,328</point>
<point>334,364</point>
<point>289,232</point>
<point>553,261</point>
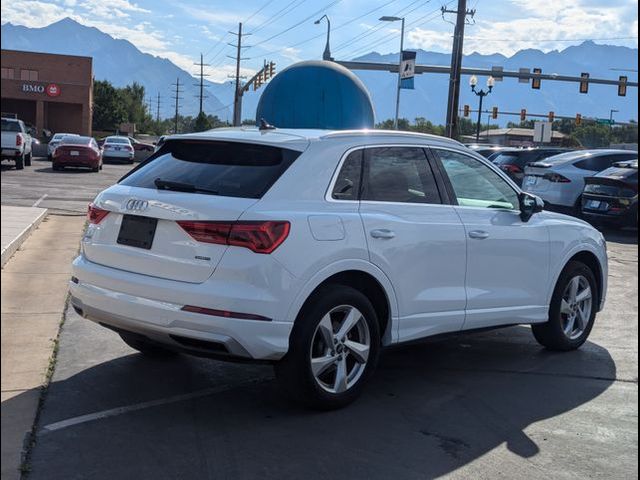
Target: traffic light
<point>257,83</point>
<point>552,115</point>
<point>622,86</point>
<point>535,81</point>
<point>584,85</point>
<point>578,119</point>
<point>466,110</point>
<point>494,112</point>
<point>523,114</point>
<point>272,69</point>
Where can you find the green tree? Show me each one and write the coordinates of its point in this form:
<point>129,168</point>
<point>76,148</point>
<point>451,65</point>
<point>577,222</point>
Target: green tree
<point>202,123</point>
<point>108,110</point>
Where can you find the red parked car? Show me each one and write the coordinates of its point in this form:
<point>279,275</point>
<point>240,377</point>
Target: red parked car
<point>76,151</point>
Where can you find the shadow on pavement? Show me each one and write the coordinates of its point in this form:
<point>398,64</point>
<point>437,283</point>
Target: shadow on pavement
<point>430,409</point>
<point>627,236</point>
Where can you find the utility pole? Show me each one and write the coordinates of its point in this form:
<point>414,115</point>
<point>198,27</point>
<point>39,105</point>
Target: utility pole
<point>237,97</point>
<point>177,98</point>
<point>158,108</point>
<point>456,66</point>
<point>201,84</point>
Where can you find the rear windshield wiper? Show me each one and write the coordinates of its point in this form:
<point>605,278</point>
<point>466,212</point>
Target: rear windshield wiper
<point>181,187</point>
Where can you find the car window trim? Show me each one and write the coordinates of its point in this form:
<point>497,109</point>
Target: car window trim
<point>485,162</point>
<point>445,197</point>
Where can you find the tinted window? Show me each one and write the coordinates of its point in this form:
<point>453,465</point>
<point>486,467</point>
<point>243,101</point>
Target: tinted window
<point>8,126</point>
<point>226,168</point>
<point>398,174</point>
<point>475,184</point>
<point>505,159</point>
<point>347,186</point>
<point>117,140</point>
<point>76,140</point>
<point>601,162</point>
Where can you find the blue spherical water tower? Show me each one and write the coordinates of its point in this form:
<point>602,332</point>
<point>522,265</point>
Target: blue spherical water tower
<point>316,94</point>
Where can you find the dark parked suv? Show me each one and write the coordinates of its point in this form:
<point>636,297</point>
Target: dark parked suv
<point>514,161</point>
<point>611,197</point>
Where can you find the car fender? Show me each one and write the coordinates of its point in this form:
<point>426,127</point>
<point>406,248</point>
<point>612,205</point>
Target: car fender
<point>342,266</point>
<point>575,248</point>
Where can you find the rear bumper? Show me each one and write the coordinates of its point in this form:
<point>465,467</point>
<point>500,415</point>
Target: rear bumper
<point>164,322</point>
<point>75,162</point>
<point>118,155</point>
<point>11,152</point>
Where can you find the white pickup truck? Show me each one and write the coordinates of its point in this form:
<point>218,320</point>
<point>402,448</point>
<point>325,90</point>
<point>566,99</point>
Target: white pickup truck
<point>16,142</point>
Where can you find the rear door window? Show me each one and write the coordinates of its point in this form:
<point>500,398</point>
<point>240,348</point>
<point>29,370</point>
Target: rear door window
<point>399,174</point>
<point>220,168</point>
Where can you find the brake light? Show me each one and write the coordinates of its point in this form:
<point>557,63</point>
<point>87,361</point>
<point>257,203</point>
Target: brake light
<point>129,149</point>
<point>18,140</point>
<point>556,178</point>
<point>257,236</point>
<point>95,215</point>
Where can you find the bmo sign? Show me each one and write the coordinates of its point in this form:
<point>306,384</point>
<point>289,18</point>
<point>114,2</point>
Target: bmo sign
<point>51,90</point>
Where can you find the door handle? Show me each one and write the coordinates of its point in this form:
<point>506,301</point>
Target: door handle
<point>382,233</point>
<point>478,234</point>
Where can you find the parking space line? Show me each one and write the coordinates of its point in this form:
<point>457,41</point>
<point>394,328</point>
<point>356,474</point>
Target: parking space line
<point>39,201</point>
<point>113,412</point>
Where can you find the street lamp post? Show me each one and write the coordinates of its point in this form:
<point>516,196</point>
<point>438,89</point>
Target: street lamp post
<point>395,19</point>
<point>326,55</point>
<point>473,82</point>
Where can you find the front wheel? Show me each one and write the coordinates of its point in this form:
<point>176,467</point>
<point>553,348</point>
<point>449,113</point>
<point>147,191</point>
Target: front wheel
<point>333,349</point>
<point>572,311</point>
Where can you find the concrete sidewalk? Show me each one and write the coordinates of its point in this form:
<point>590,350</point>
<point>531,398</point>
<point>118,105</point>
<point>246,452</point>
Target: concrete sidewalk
<point>34,290</point>
<point>17,225</point>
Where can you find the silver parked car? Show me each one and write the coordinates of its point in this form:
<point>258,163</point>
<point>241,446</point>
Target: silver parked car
<point>560,179</point>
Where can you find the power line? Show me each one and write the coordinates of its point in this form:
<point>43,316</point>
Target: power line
<point>201,83</point>
<point>279,14</point>
<point>177,99</point>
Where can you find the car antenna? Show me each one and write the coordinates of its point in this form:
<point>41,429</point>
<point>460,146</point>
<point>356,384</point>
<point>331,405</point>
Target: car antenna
<point>264,125</point>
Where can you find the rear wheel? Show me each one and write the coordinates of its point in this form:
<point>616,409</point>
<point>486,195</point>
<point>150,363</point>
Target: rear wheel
<point>572,311</point>
<point>95,169</point>
<point>27,160</point>
<point>146,348</point>
<point>20,162</point>
<point>57,167</point>
<point>333,349</point>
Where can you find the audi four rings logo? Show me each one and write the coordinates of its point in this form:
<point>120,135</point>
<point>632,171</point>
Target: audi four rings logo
<point>136,205</point>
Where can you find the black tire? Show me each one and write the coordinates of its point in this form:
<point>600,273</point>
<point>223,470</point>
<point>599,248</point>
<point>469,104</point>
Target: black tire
<point>20,163</point>
<point>294,370</point>
<point>27,160</point>
<point>551,334</point>
<point>95,169</point>
<point>148,349</point>
<point>57,168</point>
<point>49,158</point>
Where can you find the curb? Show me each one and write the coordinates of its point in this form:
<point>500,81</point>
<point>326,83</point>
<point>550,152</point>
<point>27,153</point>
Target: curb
<point>8,252</point>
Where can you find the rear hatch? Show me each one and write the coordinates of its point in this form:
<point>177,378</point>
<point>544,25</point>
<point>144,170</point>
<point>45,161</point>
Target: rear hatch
<point>190,180</point>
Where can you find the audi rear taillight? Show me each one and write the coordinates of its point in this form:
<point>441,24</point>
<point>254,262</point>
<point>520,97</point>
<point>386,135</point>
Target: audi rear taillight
<point>95,215</point>
<point>257,236</point>
<point>556,178</point>
<point>18,140</point>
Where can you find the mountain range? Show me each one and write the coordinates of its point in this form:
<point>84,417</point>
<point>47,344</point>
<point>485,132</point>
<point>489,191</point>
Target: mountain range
<point>120,62</point>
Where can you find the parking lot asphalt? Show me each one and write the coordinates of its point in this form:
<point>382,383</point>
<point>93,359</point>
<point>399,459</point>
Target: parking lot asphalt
<point>482,406</point>
<point>67,191</point>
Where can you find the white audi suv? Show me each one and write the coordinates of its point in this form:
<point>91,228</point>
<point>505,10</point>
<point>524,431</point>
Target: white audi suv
<point>313,249</point>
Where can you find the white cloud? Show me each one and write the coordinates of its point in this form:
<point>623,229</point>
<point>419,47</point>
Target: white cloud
<point>33,14</point>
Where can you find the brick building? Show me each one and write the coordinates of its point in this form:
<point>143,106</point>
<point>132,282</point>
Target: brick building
<point>52,92</point>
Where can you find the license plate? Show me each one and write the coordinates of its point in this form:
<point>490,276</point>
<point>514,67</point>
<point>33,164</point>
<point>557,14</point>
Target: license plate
<point>74,153</point>
<point>116,148</point>
<point>595,204</point>
<point>137,231</point>
<point>531,181</point>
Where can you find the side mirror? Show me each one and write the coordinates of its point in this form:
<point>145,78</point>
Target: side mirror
<point>529,206</point>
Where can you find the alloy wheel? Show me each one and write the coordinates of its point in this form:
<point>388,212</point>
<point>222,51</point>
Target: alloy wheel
<point>340,349</point>
<point>576,307</point>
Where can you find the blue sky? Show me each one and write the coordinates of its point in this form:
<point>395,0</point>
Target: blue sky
<point>284,30</point>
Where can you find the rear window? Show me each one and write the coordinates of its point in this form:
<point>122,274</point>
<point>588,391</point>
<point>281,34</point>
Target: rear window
<point>506,159</point>
<point>601,162</point>
<point>228,169</point>
<point>8,126</point>
<point>118,140</point>
<point>73,140</point>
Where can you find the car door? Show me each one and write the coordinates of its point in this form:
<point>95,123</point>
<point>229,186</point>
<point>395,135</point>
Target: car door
<point>415,238</point>
<point>507,258</point>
